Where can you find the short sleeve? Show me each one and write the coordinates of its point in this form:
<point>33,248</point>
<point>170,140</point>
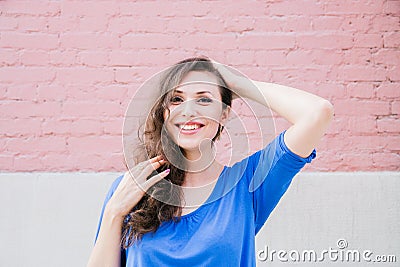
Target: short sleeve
<point>107,198</point>
<point>273,170</point>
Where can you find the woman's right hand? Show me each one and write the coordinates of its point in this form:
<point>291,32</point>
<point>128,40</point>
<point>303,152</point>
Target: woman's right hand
<point>133,186</point>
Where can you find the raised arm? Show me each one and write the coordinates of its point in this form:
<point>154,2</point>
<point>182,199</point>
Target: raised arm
<point>309,114</point>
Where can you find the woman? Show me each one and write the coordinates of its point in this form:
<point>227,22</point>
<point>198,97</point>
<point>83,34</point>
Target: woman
<point>215,225</point>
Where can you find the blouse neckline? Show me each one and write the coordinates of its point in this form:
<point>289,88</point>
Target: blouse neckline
<point>205,203</point>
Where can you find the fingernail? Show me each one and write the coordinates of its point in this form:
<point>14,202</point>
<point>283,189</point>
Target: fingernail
<point>167,170</point>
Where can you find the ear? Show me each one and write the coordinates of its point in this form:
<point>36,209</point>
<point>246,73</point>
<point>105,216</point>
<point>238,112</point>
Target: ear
<point>225,114</point>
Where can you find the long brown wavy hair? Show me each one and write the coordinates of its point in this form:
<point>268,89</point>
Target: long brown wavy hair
<point>162,202</point>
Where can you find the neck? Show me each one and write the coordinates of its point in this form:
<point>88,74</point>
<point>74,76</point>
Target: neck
<point>201,166</point>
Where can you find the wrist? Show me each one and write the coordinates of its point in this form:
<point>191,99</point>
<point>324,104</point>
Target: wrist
<point>113,213</point>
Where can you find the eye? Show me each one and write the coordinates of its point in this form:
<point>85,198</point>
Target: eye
<point>205,100</point>
<point>176,100</point>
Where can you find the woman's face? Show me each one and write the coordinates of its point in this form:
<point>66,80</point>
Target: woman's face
<point>195,110</point>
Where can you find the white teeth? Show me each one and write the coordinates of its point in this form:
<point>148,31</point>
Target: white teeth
<point>189,127</point>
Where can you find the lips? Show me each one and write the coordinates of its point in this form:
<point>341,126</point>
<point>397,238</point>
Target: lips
<point>189,127</point>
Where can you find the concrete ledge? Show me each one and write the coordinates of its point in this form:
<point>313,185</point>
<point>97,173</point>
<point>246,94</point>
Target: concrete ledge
<point>49,219</point>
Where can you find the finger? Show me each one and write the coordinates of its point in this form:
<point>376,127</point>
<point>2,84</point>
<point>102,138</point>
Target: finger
<point>152,167</point>
<point>155,179</point>
<point>140,166</point>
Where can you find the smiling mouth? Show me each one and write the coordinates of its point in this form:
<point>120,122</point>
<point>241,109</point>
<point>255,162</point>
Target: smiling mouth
<point>189,126</point>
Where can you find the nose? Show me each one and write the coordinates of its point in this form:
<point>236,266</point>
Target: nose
<point>188,108</point>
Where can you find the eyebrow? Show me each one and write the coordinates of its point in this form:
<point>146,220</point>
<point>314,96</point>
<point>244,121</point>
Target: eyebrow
<point>198,93</point>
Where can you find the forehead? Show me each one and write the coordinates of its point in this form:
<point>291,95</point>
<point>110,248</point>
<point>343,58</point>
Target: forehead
<point>197,81</point>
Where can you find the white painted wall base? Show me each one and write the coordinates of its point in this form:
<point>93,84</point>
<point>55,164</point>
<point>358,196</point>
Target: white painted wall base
<point>49,219</point>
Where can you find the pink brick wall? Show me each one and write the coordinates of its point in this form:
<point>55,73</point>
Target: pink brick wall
<point>69,69</point>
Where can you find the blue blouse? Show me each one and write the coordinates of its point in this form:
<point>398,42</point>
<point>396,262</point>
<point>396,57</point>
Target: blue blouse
<point>221,232</point>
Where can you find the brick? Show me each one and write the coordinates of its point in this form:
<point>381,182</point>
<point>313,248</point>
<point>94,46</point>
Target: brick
<point>391,39</point>
<point>45,8</point>
<point>368,40</point>
<point>21,92</point>
<point>141,58</point>
<point>330,90</point>
<point>270,58</point>
<point>26,75</point>
<point>46,92</point>
<point>8,57</point>
<point>355,107</point>
<point>353,7</point>
<point>243,57</point>
<point>387,57</point>
<point>357,56</point>
<point>338,125</point>
<point>112,126</point>
<point>8,23</point>
<point>90,109</point>
<point>114,161</point>
<point>63,57</point>
<point>202,42</point>
<point>325,23</point>
<point>94,144</point>
<point>308,74</point>
<point>62,24</point>
<point>239,24</point>
<point>362,124</point>
<point>360,90</point>
<point>56,126</point>
<point>26,109</point>
<point>84,75</point>
<point>206,25</point>
<point>391,143</point>
<point>324,41</point>
<point>383,23</point>
<point>221,9</point>
<point>266,41</point>
<point>391,7</point>
<point>299,57</point>
<point>27,163</point>
<point>21,127</point>
<point>393,73</point>
<point>58,162</point>
<point>388,90</point>
<point>37,144</point>
<point>124,25</point>
<point>87,8</point>
<point>6,162</point>
<point>356,23</point>
<point>28,40</point>
<point>395,109</point>
<point>32,24</point>
<point>384,161</point>
<point>362,159</point>
<point>327,57</point>
<point>148,41</point>
<point>93,58</point>
<point>88,40</point>
<point>34,58</point>
<point>92,24</point>
<point>113,92</point>
<point>361,73</point>
<point>388,125</point>
<point>83,127</point>
<point>300,7</point>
